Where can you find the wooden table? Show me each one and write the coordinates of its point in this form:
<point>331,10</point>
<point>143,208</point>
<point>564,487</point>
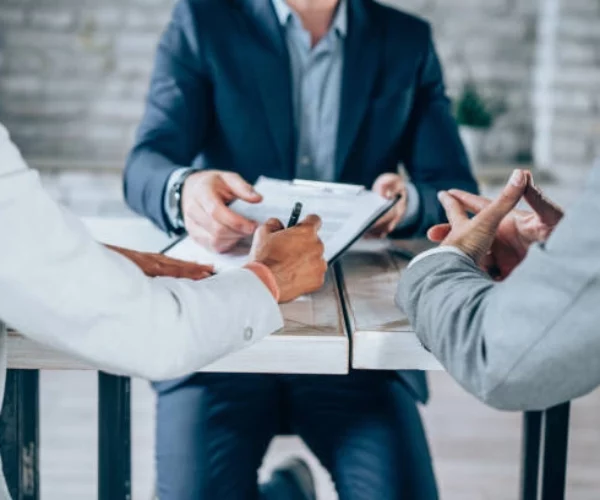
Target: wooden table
<point>314,339</point>
<point>357,303</point>
<point>382,338</point>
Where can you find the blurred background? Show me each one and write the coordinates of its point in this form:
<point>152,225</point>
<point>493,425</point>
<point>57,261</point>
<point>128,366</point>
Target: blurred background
<point>524,76</point>
<point>74,74</point>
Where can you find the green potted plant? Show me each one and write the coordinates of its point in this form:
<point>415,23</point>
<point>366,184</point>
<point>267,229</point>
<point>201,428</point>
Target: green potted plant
<point>474,118</point>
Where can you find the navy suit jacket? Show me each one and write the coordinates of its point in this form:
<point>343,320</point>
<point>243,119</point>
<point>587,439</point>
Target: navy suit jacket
<point>221,98</point>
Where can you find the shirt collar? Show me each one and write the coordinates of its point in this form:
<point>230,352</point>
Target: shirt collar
<point>283,11</point>
<point>340,21</point>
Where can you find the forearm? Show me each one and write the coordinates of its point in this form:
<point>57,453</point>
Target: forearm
<point>153,265</point>
<point>132,255</point>
<point>530,341</point>
<point>444,297</point>
<point>173,327</point>
<point>525,344</point>
<point>163,329</point>
<point>61,288</point>
<point>145,180</point>
<point>173,128</point>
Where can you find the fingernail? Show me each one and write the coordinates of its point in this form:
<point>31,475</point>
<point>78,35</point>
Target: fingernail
<point>441,195</point>
<point>517,178</point>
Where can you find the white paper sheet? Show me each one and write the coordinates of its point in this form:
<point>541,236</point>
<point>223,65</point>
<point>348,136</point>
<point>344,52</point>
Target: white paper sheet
<point>346,211</point>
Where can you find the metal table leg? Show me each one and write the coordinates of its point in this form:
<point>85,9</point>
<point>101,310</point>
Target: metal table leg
<point>114,437</point>
<point>19,434</point>
<point>530,455</point>
<point>556,440</point>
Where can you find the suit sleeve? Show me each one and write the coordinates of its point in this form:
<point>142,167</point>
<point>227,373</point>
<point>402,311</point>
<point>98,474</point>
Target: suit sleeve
<point>530,342</point>
<point>432,151</point>
<point>61,288</point>
<point>178,111</point>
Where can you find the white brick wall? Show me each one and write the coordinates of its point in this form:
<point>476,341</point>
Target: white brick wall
<point>74,73</point>
<point>493,42</point>
<point>576,125</point>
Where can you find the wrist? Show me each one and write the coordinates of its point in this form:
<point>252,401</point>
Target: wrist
<point>472,249</point>
<point>175,197</point>
<point>266,276</point>
<point>412,206</point>
<point>442,249</point>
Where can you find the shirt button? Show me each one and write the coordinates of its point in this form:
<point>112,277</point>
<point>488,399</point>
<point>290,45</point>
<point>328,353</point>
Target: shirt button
<point>248,333</point>
<point>305,161</point>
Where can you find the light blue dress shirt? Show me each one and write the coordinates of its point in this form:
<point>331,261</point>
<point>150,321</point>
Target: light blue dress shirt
<point>316,90</point>
<point>316,93</point>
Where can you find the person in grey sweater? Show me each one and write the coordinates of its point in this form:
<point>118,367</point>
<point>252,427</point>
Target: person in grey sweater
<point>529,337</point>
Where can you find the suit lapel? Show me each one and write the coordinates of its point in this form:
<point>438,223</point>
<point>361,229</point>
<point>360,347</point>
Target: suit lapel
<point>271,71</point>
<point>361,62</point>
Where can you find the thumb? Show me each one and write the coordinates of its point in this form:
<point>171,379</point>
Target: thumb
<point>262,233</point>
<point>271,226</point>
<point>313,221</point>
<point>240,188</point>
<point>439,232</point>
<point>491,216</point>
<point>388,185</point>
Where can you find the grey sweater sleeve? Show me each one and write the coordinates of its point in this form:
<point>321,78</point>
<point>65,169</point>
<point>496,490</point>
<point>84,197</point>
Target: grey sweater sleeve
<point>530,342</point>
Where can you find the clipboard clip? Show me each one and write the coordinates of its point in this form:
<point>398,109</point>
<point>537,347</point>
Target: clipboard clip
<point>329,187</point>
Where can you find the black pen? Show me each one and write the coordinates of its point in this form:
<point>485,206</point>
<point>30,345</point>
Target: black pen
<point>295,217</point>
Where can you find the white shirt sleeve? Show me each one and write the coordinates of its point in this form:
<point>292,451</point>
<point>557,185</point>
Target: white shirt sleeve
<point>61,288</point>
<point>438,250</point>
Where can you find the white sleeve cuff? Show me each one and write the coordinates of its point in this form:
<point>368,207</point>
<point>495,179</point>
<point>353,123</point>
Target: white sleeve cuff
<point>438,250</point>
<point>413,204</point>
<point>255,306</point>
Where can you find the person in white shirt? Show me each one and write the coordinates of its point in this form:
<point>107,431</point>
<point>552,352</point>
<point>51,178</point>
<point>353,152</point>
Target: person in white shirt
<point>61,288</point>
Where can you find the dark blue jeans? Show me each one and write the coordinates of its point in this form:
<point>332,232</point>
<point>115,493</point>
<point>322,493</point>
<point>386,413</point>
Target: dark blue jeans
<point>365,428</point>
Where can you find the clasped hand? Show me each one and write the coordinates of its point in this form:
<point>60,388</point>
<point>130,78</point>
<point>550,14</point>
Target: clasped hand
<point>498,236</point>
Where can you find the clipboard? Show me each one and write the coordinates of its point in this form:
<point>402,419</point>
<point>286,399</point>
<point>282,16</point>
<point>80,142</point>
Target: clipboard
<point>347,211</point>
<point>384,210</point>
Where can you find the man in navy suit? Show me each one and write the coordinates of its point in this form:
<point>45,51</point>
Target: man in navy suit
<point>332,90</point>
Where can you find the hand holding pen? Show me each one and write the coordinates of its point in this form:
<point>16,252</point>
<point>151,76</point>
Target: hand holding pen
<point>294,255</point>
<point>295,217</point>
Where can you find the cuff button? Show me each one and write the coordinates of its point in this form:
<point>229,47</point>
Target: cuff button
<point>248,333</point>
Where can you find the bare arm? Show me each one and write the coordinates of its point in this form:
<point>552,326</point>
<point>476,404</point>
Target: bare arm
<point>155,265</point>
